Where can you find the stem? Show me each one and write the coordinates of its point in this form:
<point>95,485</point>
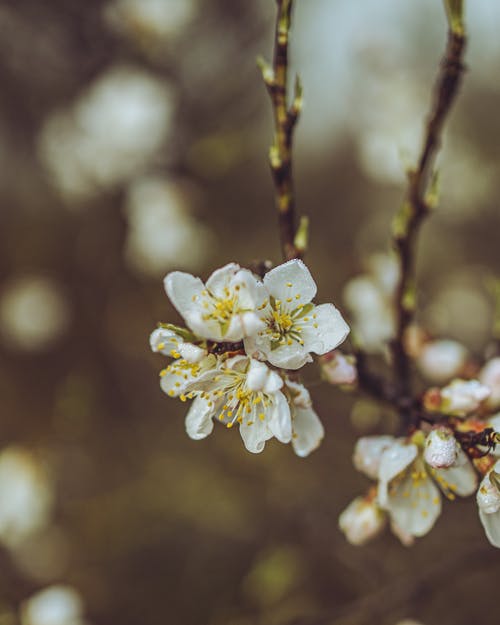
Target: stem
<point>285,120</point>
<point>418,201</point>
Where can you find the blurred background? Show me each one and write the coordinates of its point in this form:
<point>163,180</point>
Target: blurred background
<point>133,141</point>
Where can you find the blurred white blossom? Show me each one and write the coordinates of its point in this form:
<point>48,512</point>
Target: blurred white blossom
<point>161,232</point>
<point>369,298</point>
<point>336,368</point>
<point>463,396</point>
<point>441,360</point>
<point>55,605</point>
<point>26,496</point>
<point>33,313</point>
<point>112,130</point>
<point>490,377</point>
<point>155,19</point>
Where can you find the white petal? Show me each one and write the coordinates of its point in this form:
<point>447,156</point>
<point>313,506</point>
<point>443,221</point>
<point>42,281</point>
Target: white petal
<point>308,431</point>
<point>192,353</point>
<point>491,524</point>
<point>206,328</point>
<point>415,504</point>
<point>331,329</point>
<point>256,375</point>
<point>368,454</point>
<point>220,279</point>
<point>406,539</point>
<point>250,291</point>
<point>164,341</point>
<point>292,356</point>
<point>280,422</point>
<point>199,423</point>
<point>293,273</point>
<point>255,435</point>
<point>395,459</point>
<point>300,394</point>
<point>488,496</point>
<point>459,479</point>
<point>184,291</point>
<point>242,325</point>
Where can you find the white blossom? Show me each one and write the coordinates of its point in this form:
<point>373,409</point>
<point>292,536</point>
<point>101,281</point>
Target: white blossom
<point>462,397</point>
<point>407,486</point>
<point>238,390</point>
<point>223,309</point>
<point>370,299</point>
<point>169,342</point>
<point>439,361</point>
<point>293,326</point>
<point>307,429</point>
<point>362,520</point>
<point>488,500</point>
<point>490,377</point>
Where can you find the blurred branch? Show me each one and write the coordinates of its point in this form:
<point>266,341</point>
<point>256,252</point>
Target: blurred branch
<point>420,194</point>
<point>285,120</point>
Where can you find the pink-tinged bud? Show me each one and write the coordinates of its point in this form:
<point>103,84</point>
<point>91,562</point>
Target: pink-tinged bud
<point>368,453</point>
<point>462,397</point>
<point>362,520</point>
<point>440,361</point>
<point>339,369</point>
<point>490,377</point>
<point>441,448</point>
<point>432,400</point>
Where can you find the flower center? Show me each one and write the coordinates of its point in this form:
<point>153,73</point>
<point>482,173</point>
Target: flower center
<point>238,402</point>
<point>283,324</point>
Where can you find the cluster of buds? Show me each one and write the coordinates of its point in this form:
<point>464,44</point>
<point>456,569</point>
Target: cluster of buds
<point>244,338</point>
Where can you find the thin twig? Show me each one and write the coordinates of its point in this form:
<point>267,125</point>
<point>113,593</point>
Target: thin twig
<point>417,204</point>
<point>285,120</point>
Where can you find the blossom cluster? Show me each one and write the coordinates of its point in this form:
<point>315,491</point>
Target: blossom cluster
<point>414,472</point>
<point>245,338</point>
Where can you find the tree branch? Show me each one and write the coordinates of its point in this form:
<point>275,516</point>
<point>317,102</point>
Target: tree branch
<point>285,120</point>
<point>419,197</point>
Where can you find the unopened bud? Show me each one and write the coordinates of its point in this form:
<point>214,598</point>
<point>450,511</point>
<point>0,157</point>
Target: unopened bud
<point>440,361</point>
<point>362,520</point>
<point>339,369</point>
<point>441,448</point>
<point>463,396</point>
